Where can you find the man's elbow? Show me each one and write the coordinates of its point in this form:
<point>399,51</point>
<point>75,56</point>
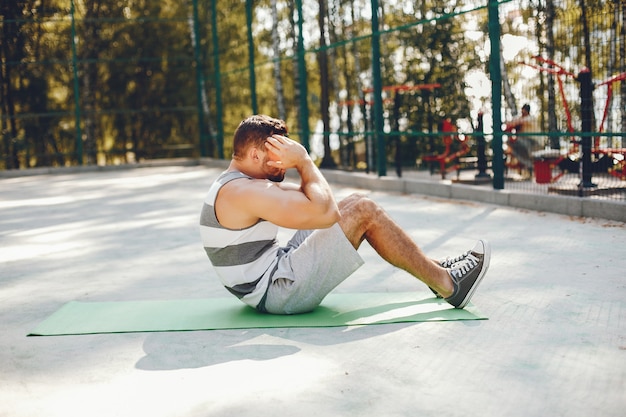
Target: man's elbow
<point>332,217</point>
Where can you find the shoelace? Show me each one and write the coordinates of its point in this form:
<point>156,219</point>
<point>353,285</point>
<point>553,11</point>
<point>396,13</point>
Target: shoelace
<point>459,269</point>
<point>448,262</point>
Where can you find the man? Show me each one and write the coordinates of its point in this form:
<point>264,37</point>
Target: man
<point>249,202</point>
<point>523,123</point>
<point>523,146</point>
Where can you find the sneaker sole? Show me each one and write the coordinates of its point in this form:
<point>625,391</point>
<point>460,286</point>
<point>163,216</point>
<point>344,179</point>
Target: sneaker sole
<point>483,271</point>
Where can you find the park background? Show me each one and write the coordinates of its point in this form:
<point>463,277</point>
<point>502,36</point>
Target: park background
<point>110,82</point>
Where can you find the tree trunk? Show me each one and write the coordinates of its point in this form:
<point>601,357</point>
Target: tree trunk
<point>10,10</point>
<point>611,67</point>
<point>89,55</point>
<point>360,94</point>
<point>506,86</point>
<point>586,37</point>
<point>205,126</point>
<point>278,79</point>
<point>348,153</point>
<point>333,53</point>
<point>322,56</point>
<point>622,56</point>
<point>296,72</point>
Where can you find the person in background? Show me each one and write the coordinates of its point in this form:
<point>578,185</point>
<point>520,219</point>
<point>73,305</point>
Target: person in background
<point>522,146</point>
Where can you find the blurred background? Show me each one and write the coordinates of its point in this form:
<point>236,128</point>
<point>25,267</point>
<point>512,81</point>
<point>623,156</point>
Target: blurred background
<point>525,94</point>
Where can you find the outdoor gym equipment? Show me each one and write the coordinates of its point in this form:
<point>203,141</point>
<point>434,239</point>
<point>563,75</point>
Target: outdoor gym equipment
<point>550,159</point>
<point>448,156</point>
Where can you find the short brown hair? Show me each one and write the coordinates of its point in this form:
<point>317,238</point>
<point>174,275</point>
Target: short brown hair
<point>254,131</point>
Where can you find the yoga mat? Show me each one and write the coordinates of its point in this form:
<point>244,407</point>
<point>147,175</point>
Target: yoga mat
<point>229,313</point>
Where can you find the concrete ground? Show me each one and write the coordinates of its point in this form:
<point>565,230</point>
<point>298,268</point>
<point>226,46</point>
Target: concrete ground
<point>555,295</point>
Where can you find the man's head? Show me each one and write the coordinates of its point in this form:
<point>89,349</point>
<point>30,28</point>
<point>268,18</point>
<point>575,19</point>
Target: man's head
<point>249,142</point>
<point>254,131</point>
<point>526,108</point>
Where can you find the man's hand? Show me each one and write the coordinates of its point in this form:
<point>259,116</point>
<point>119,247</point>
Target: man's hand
<point>241,203</point>
<point>314,201</point>
<point>285,153</point>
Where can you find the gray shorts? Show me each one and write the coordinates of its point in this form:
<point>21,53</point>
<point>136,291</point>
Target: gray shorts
<point>320,260</point>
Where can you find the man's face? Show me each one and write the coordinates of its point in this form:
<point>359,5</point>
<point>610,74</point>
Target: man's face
<point>272,173</point>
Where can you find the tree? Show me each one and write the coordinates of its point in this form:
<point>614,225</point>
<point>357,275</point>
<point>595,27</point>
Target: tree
<point>12,50</point>
<point>322,58</point>
<point>137,71</point>
<point>622,54</point>
<point>433,52</point>
<point>278,79</point>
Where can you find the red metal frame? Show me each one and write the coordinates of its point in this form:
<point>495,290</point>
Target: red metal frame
<point>553,68</point>
<point>447,157</point>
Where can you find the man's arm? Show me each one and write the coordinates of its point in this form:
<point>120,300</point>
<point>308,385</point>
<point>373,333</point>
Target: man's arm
<point>313,205</point>
<point>241,203</point>
<point>511,125</point>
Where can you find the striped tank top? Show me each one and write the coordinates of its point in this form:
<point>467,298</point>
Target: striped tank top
<point>245,259</point>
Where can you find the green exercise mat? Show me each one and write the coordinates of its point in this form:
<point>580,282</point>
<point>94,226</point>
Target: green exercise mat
<point>229,313</point>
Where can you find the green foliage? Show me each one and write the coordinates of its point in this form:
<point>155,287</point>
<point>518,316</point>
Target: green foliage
<point>137,87</point>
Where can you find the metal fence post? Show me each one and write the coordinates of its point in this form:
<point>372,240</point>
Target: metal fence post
<point>496,95</point>
<point>378,100</point>
<point>255,107</point>
<point>586,113</point>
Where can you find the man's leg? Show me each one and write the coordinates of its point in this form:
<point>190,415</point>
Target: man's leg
<point>362,219</point>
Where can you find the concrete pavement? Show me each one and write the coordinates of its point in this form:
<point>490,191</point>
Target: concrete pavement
<point>555,295</point>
